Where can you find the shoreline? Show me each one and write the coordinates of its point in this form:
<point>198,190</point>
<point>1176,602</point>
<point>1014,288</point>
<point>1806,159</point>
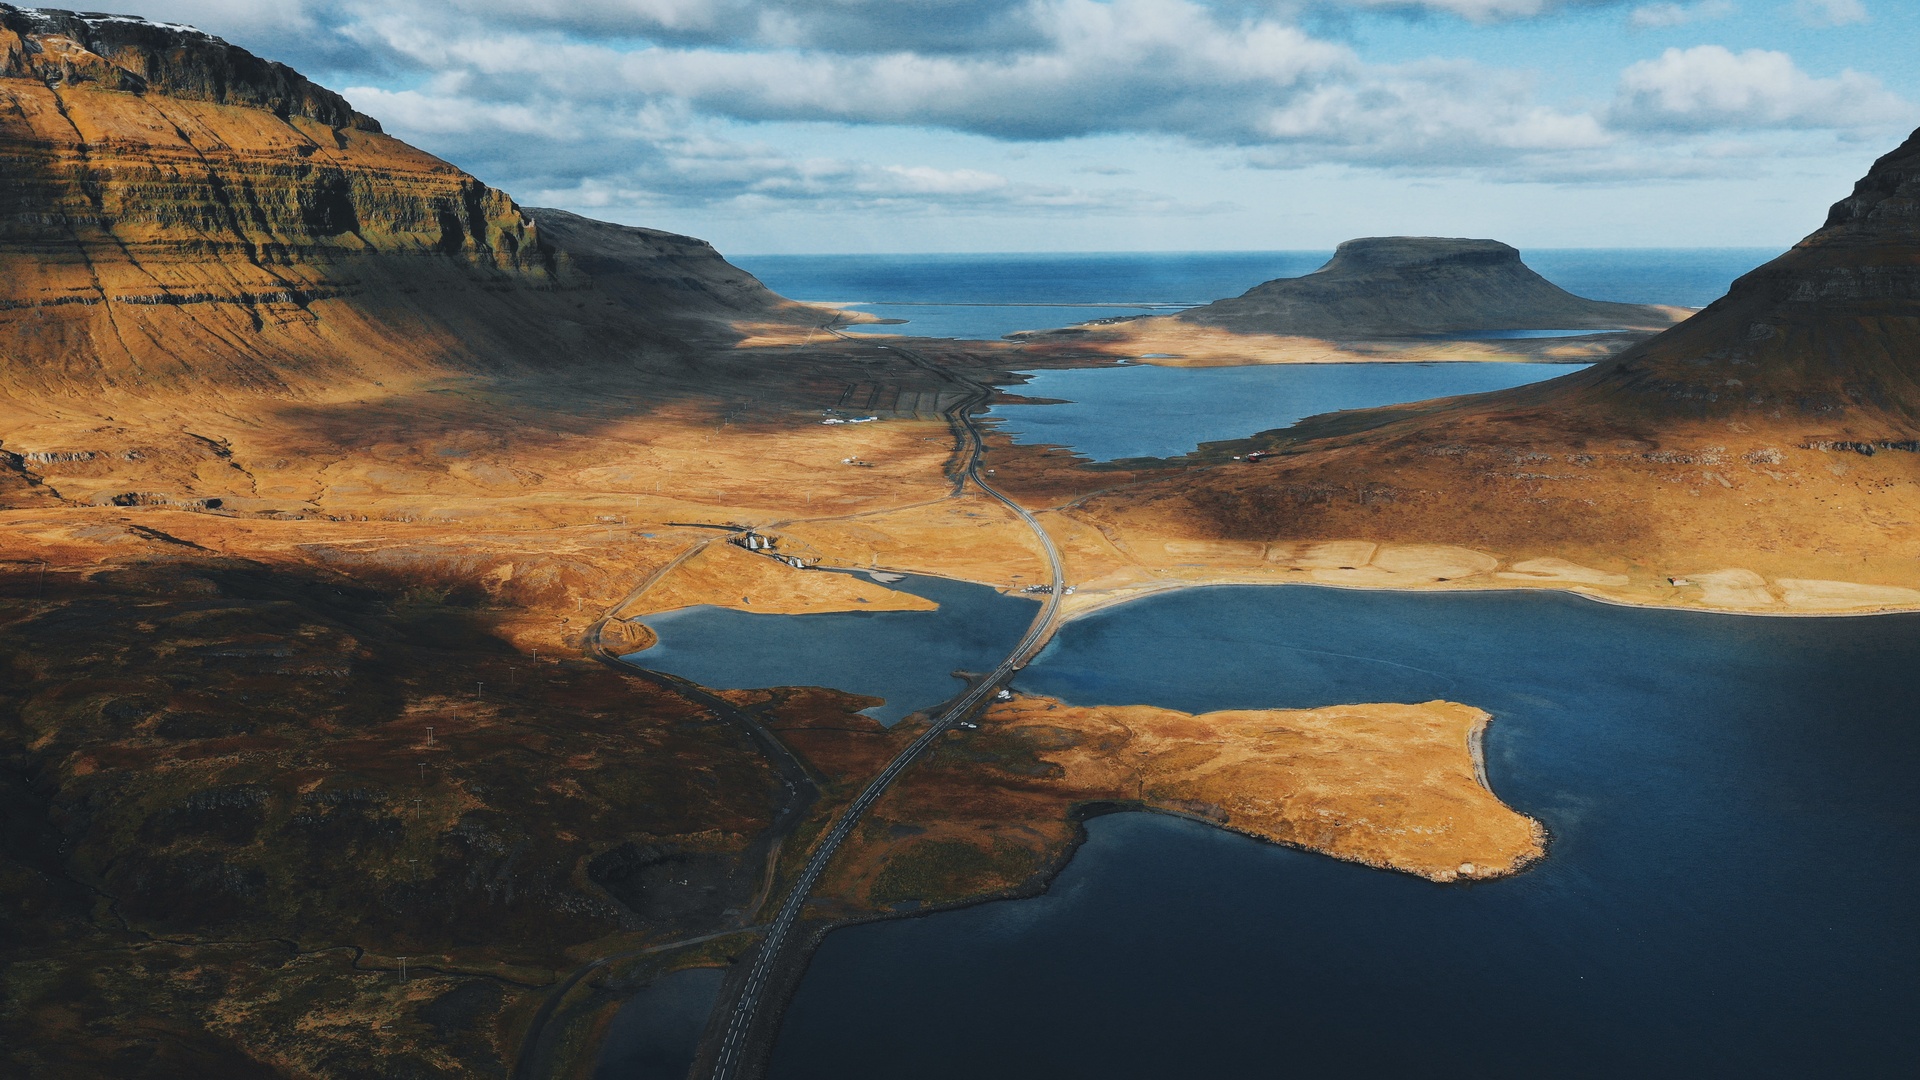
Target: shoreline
<point>1104,603</point>
<point>794,967</point>
<point>1477,750</point>
<point>1101,601</point>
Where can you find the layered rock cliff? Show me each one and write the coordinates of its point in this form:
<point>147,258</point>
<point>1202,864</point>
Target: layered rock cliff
<point>1399,286</point>
<point>177,211</point>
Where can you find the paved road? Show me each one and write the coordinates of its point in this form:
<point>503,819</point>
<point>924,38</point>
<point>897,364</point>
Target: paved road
<point>729,1061</point>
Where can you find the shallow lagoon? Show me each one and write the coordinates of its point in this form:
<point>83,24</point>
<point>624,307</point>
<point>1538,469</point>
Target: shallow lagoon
<point>1138,410</point>
<point>906,657</point>
<point>1729,891</point>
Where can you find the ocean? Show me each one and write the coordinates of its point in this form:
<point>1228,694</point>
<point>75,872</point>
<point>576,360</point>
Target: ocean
<point>987,296</point>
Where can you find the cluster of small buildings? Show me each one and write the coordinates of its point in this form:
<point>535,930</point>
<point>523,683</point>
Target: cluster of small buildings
<point>754,541</point>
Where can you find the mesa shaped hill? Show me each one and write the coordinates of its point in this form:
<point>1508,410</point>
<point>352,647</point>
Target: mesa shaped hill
<point>1772,442</point>
<point>1401,286</point>
<point>176,212</point>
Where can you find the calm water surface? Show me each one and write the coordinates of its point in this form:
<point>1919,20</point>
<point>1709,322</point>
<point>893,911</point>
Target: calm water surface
<point>985,296</point>
<point>1730,890</point>
<point>905,657</point>
<point>657,1030</point>
<point>1138,410</point>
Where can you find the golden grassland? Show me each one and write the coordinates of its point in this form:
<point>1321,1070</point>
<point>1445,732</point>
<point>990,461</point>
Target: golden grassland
<point>1165,341</point>
<point>278,496</point>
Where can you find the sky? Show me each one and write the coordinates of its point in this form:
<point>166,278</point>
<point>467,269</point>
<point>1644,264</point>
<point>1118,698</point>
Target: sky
<point>817,126</point>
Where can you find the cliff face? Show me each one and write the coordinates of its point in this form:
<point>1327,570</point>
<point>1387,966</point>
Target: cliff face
<point>176,211</point>
<point>119,52</point>
<point>1396,286</point>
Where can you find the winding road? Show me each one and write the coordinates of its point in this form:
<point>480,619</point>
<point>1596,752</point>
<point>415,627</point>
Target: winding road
<point>731,1058</point>
<point>797,781</point>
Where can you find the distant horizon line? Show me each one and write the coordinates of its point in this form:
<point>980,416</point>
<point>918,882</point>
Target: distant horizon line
<point>1209,251</point>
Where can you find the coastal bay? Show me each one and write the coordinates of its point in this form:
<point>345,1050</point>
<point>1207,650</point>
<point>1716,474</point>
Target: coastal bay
<point>1730,851</point>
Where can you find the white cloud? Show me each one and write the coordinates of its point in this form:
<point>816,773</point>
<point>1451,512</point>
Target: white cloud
<point>638,105</point>
<point>1471,10</point>
<point>1830,12</point>
<point>1129,65</point>
<point>1155,67</point>
<point>1711,87</point>
<point>607,157</point>
<point>1666,16</point>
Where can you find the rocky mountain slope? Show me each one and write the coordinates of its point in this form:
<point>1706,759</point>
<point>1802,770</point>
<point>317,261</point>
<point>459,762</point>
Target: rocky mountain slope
<point>1392,286</point>
<point>177,212</point>
<point>1825,338</point>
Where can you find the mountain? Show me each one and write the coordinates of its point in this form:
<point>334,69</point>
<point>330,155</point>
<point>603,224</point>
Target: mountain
<point>176,212</point>
<point>1769,447</point>
<point>1825,338</point>
<point>1402,286</point>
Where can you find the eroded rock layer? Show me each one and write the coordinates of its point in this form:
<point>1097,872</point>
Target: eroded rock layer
<point>176,211</point>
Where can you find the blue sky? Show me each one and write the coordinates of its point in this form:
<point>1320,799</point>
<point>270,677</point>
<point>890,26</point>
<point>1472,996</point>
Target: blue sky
<point>1114,125</point>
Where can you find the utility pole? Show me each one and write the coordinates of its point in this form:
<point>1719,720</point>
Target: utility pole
<point>429,734</point>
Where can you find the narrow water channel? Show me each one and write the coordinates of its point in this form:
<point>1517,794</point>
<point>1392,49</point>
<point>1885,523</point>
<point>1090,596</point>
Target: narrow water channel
<point>905,658</point>
<point>1138,410</point>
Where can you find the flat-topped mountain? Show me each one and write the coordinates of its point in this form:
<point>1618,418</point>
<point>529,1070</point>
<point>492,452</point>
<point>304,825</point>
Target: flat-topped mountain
<point>1397,286</point>
<point>175,211</point>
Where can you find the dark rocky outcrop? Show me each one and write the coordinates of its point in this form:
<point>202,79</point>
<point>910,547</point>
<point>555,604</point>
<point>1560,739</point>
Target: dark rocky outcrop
<point>1401,286</point>
<point>656,271</point>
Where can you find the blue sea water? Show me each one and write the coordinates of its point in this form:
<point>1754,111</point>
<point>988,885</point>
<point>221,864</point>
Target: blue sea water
<point>986,296</point>
<point>905,658</point>
<point>1142,411</point>
<point>1729,891</point>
